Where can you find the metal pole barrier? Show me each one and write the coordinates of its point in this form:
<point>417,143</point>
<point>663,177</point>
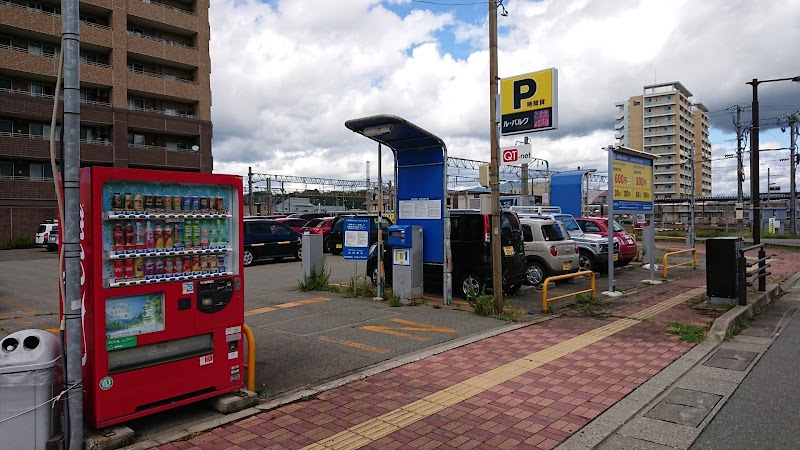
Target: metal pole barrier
<point>741,267</point>
<point>610,202</point>
<point>762,277</point>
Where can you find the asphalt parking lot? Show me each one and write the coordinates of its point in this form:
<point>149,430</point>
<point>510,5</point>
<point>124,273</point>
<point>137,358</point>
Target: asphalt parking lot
<point>305,339</point>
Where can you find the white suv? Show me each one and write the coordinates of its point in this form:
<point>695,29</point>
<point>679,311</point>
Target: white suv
<point>548,249</point>
<point>44,230</point>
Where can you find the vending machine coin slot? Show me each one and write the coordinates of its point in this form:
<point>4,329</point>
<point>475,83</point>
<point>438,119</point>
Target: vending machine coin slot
<point>213,295</point>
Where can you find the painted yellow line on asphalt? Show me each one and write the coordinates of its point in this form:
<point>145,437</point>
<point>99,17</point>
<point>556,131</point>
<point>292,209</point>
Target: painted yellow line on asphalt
<point>394,332</point>
<point>265,309</point>
<point>379,427</point>
<point>417,326</point>
<point>353,344</point>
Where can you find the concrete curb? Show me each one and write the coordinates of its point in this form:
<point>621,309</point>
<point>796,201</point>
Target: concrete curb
<point>608,423</point>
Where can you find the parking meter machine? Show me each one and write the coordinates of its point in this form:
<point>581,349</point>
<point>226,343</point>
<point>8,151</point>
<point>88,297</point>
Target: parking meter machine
<point>407,261</point>
<point>162,290</point>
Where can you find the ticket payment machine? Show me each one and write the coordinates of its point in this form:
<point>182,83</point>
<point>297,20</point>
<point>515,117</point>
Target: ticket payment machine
<point>407,260</point>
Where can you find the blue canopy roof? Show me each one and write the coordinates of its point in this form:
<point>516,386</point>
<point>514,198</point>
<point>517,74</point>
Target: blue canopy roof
<point>396,133</point>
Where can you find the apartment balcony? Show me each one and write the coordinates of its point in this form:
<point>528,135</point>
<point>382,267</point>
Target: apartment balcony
<point>659,113</point>
<point>664,191</point>
<point>153,156</point>
<point>163,85</point>
<point>162,49</point>
<point>669,182</point>
<point>37,148</point>
<point>619,135</point>
<point>659,102</point>
<point>160,13</point>
<point>24,61</point>
<point>159,121</point>
<point>24,104</point>
<point>664,162</point>
<point>30,19</point>
<point>29,189</point>
<point>663,171</point>
<point>659,131</point>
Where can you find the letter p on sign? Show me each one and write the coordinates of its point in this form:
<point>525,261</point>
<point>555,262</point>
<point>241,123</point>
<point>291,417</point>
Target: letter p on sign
<point>523,89</point>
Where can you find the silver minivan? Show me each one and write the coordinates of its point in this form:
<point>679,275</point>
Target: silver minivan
<point>548,249</point>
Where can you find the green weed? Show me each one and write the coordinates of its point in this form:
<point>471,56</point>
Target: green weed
<point>317,280</point>
<point>21,242</point>
<point>687,332</point>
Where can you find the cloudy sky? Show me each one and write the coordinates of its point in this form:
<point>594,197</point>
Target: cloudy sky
<point>287,74</point>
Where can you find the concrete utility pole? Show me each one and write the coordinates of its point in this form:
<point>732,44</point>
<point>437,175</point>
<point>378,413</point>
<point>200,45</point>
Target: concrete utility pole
<point>494,179</point>
<point>72,226</point>
<point>692,198</point>
<point>250,190</point>
<point>793,172</point>
<point>739,168</point>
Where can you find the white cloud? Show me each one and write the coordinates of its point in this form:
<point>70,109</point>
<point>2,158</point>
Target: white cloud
<point>285,78</point>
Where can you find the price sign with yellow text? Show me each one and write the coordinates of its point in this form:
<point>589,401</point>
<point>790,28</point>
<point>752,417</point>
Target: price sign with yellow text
<point>632,183</point>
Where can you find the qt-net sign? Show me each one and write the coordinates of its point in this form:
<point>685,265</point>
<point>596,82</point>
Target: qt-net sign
<point>529,102</point>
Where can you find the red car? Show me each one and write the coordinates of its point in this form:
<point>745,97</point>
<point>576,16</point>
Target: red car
<point>293,223</point>
<point>320,226</point>
<point>599,225</point>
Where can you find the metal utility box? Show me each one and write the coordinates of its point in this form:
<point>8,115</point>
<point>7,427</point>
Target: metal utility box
<point>30,376</point>
<point>722,256</point>
<point>312,257</point>
<point>407,261</point>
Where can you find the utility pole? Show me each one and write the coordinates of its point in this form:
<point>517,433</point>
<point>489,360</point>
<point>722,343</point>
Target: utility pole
<point>692,198</point>
<point>525,179</point>
<point>494,179</point>
<point>793,173</point>
<point>250,190</point>
<point>739,169</point>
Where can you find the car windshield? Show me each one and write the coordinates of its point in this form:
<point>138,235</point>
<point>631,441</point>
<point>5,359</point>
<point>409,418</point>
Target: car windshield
<point>618,227</point>
<point>569,222</point>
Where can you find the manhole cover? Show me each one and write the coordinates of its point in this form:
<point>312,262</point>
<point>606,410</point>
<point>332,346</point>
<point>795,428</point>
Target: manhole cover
<point>731,359</point>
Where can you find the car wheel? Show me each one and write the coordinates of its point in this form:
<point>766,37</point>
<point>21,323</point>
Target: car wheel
<point>298,254</point>
<point>336,251</point>
<point>325,246</point>
<point>586,261</point>
<point>471,284</point>
<point>536,273</point>
<point>247,258</point>
<point>514,288</point>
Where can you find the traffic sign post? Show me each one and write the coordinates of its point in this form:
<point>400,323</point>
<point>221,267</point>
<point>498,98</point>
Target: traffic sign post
<point>518,154</point>
<point>356,238</point>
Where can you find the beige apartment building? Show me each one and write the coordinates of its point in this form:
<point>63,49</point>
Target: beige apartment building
<point>664,121</point>
<point>144,89</point>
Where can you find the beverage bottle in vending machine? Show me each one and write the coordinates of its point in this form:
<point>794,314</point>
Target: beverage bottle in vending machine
<point>178,232</point>
<point>150,242</point>
<point>204,233</point>
<point>177,266</point>
<point>168,265</point>
<point>159,235</point>
<point>138,267</point>
<point>196,242</point>
<point>130,236</point>
<point>119,237</point>
<point>128,268</point>
<point>159,265</point>
<point>168,236</point>
<point>188,232</point>
<point>222,233</point>
<point>149,267</point>
<point>119,270</point>
<point>213,241</point>
<point>140,236</point>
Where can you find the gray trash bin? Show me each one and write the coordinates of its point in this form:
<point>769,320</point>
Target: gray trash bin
<point>30,377</point>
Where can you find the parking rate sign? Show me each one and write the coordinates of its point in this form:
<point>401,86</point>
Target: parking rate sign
<point>356,238</point>
<point>632,183</point>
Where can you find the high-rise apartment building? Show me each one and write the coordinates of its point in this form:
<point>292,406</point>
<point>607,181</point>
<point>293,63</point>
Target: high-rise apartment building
<point>664,121</point>
<point>145,95</point>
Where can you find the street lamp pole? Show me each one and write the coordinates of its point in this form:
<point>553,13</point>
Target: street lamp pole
<point>754,192</point>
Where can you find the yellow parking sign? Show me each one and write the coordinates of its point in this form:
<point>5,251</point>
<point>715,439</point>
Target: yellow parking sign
<point>529,102</point>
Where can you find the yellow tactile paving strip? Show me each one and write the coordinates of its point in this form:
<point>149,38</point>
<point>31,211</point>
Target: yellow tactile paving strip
<point>379,427</point>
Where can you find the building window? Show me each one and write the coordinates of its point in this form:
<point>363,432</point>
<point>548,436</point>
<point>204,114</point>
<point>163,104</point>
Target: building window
<point>44,8</point>
<point>6,126</point>
<point>135,103</point>
<point>177,146</point>
<point>5,41</point>
<point>41,49</point>
<point>43,131</point>
<point>42,90</point>
<point>135,67</point>
<point>6,169</point>
<point>177,112</point>
<point>41,171</point>
<point>135,139</point>
<point>5,84</point>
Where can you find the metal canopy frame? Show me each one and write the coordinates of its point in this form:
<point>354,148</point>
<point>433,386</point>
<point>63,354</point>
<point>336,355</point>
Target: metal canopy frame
<point>421,153</point>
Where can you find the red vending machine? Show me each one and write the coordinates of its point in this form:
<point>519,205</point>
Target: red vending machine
<point>162,288</point>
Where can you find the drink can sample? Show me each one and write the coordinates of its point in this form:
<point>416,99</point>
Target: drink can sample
<point>119,271</point>
<point>128,268</point>
<point>195,203</point>
<point>116,202</point>
<point>176,202</point>
<point>221,263</point>
<point>158,201</point>
<point>159,266</point>
<point>187,203</point>
<point>196,263</point>
<point>168,265</point>
<point>168,203</point>
<point>178,266</point>
<point>148,202</point>
<point>187,264</point>
<point>128,201</point>
<point>212,204</point>
<point>138,267</point>
<point>149,267</point>
<point>203,204</point>
<point>220,204</point>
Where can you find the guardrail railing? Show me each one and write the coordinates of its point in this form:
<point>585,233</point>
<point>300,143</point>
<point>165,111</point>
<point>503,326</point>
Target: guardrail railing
<point>693,261</point>
<point>747,278</point>
<point>547,281</point>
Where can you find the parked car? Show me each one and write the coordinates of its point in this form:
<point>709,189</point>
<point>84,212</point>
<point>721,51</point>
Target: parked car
<point>268,239</point>
<point>471,254</point>
<point>307,215</point>
<point>52,240</point>
<point>592,248</point>
<point>320,226</point>
<point>44,230</point>
<point>294,223</point>
<point>599,225</point>
<point>336,237</point>
<point>548,249</point>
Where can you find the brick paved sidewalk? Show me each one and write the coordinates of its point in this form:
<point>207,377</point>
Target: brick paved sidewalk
<point>528,388</point>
